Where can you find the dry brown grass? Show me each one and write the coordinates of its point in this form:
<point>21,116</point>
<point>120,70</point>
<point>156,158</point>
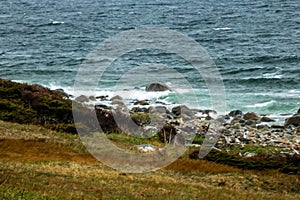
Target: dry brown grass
<point>35,162</point>
<point>189,165</point>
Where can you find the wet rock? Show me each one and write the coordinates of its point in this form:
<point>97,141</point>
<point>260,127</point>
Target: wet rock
<point>266,119</point>
<point>157,87</point>
<point>277,126</point>
<point>294,120</point>
<point>235,113</point>
<point>142,102</point>
<point>81,99</point>
<point>102,97</point>
<point>251,116</point>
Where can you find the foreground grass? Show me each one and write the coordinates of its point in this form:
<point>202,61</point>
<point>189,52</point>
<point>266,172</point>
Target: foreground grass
<point>36,163</point>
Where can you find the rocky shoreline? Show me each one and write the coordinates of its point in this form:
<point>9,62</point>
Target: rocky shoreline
<point>235,130</point>
<point>178,124</point>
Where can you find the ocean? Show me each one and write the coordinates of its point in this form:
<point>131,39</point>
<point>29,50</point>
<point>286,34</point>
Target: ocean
<point>254,44</point>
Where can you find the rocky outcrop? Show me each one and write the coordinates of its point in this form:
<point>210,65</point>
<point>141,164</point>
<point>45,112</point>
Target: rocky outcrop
<point>157,87</point>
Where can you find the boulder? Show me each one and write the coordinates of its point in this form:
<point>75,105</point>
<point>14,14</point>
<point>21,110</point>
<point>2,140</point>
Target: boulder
<point>116,97</point>
<point>235,113</point>
<point>92,98</point>
<point>157,87</point>
<point>81,99</point>
<point>294,120</point>
<point>117,102</point>
<point>266,119</point>
<point>251,116</point>
<point>179,110</point>
<point>159,109</point>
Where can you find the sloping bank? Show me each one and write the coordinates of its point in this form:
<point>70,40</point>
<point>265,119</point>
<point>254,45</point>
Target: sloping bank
<point>34,104</point>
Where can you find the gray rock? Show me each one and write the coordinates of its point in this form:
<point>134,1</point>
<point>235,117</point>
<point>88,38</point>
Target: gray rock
<point>179,110</point>
<point>81,99</point>
<point>157,87</point>
<point>116,97</point>
<point>117,102</point>
<point>92,98</point>
<point>159,109</point>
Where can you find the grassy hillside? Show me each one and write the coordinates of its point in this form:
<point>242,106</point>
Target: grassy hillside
<point>37,163</point>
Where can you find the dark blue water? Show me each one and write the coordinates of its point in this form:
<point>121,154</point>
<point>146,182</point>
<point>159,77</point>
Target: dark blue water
<point>256,45</point>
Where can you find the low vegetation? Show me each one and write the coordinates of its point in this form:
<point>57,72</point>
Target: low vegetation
<point>38,163</point>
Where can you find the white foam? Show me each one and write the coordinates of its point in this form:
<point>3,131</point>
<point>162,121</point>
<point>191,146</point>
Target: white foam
<point>57,22</point>
<point>260,105</point>
<point>222,29</point>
